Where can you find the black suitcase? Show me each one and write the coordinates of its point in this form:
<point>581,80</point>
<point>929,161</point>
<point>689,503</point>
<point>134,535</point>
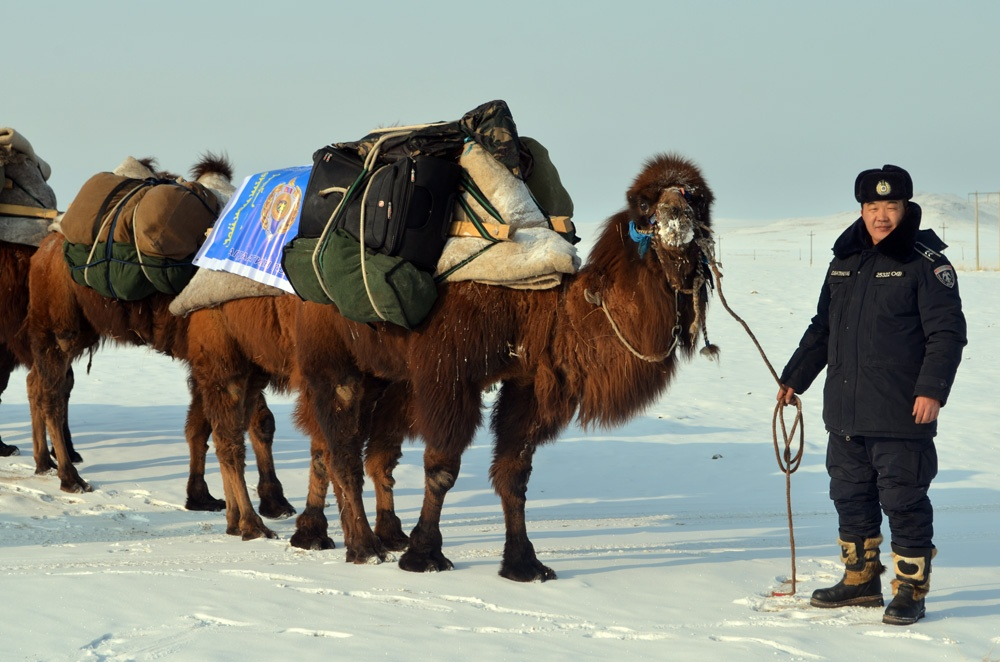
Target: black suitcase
<point>406,205</point>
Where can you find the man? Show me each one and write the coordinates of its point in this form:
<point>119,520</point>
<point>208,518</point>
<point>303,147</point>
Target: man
<point>889,330</point>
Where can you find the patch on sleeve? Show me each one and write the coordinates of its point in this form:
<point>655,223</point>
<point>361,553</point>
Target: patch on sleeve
<point>946,274</point>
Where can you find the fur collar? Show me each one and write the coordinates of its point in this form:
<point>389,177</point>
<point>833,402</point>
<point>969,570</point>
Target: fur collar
<point>898,244</point>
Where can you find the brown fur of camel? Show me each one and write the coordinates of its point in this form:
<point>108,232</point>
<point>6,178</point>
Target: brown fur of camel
<point>66,319</point>
<point>602,347</point>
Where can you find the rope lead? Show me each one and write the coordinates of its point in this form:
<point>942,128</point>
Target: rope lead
<point>787,461</point>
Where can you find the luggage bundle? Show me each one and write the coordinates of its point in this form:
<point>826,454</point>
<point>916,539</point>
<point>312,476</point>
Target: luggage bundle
<point>377,214</point>
<point>129,238</point>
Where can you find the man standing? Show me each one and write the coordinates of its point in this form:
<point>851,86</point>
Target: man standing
<point>889,329</point>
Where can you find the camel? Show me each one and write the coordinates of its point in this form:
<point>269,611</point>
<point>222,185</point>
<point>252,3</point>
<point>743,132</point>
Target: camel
<point>66,319</point>
<point>602,346</point>
<point>230,346</point>
<point>24,191</point>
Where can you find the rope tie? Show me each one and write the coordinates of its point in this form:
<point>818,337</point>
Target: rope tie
<point>597,300</point>
<point>788,462</point>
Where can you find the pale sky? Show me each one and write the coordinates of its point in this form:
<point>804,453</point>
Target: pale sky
<point>780,103</point>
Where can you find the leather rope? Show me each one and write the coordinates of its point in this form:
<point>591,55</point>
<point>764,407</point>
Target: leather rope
<point>787,461</point>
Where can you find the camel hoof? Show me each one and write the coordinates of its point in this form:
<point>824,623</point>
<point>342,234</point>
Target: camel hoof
<point>43,469</point>
<point>252,533</point>
<point>529,572</point>
<point>368,554</point>
<point>205,504</point>
<point>75,486</point>
<point>314,543</point>
<point>276,509</point>
<point>396,542</point>
<point>412,562</point>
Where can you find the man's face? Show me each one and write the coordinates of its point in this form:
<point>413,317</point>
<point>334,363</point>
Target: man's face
<point>882,217</point>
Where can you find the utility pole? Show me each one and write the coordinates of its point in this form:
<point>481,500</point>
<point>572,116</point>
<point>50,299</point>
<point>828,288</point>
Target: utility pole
<point>944,226</point>
<point>811,233</point>
<point>987,194</point>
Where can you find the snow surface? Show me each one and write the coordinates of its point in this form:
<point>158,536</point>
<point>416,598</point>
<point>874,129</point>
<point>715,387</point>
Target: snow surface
<point>670,535</point>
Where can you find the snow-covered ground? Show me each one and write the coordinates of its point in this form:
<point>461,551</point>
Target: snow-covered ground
<point>669,535</point>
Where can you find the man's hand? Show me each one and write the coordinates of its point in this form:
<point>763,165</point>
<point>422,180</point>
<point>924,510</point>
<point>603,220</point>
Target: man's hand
<point>925,410</point>
<point>786,394</point>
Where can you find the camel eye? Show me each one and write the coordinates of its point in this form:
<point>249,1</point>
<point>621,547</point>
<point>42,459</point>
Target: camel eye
<point>643,206</point>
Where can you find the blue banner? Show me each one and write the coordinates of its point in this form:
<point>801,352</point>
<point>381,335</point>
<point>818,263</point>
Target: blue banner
<point>255,225</point>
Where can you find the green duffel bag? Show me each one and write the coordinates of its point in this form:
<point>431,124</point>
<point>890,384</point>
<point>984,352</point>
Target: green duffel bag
<point>123,274</point>
<point>400,292</point>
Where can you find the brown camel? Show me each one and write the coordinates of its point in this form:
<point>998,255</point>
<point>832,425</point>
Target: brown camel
<point>24,187</point>
<point>15,350</point>
<point>229,346</point>
<point>66,319</point>
<point>602,346</point>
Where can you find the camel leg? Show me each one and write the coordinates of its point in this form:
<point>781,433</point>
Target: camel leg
<point>7,363</point>
<point>197,430</point>
<point>68,388</point>
<point>387,429</point>
<point>219,374</point>
<point>518,431</point>
<point>48,397</point>
<point>337,440</point>
<point>447,431</point>
<point>273,503</point>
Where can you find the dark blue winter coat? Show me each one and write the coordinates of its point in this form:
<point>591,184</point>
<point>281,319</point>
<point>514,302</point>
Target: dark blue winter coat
<point>888,327</point>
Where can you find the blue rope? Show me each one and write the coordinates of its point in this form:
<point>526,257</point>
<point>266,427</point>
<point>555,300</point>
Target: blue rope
<point>639,238</point>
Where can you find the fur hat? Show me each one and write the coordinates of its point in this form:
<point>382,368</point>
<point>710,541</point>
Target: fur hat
<point>886,183</point>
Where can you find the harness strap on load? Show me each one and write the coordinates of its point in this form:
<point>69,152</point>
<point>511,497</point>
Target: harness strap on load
<point>21,210</point>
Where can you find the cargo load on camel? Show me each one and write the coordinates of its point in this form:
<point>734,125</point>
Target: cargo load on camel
<point>129,237</point>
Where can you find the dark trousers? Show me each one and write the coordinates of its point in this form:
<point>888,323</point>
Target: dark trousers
<point>869,475</point>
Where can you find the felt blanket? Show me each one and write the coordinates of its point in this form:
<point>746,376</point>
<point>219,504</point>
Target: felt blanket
<point>27,202</point>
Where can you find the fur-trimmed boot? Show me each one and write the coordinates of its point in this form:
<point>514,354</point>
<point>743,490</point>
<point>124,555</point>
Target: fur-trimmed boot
<point>861,585</point>
<point>910,587</point>
<point>7,450</point>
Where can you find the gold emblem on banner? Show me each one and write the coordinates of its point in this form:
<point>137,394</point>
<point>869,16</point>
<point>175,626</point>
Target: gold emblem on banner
<point>280,208</point>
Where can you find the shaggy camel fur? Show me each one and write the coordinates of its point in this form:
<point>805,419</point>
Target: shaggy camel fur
<point>602,346</point>
<point>15,349</point>
<point>66,319</point>
<point>23,178</point>
<point>230,343</point>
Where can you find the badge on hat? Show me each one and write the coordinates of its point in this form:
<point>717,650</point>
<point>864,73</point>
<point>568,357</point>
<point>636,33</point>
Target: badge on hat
<point>946,274</point>
<point>883,188</point>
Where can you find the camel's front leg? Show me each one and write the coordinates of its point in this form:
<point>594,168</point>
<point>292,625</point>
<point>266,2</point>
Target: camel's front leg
<point>273,503</point>
<point>197,431</point>
<point>518,430</point>
<point>387,429</point>
<point>425,552</point>
<point>48,403</point>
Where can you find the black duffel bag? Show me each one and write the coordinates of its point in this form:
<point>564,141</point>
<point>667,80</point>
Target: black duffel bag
<point>400,209</point>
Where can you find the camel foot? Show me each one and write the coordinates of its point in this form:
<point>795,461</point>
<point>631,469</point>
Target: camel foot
<point>390,531</point>
<point>74,485</point>
<point>412,561</point>
<point>303,540</point>
<point>257,530</point>
<point>530,571</point>
<point>205,502</point>
<point>276,508</point>
<point>372,552</point>
<point>74,457</point>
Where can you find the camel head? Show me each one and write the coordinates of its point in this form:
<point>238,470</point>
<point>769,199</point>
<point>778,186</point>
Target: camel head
<point>669,211</point>
<point>669,202</point>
